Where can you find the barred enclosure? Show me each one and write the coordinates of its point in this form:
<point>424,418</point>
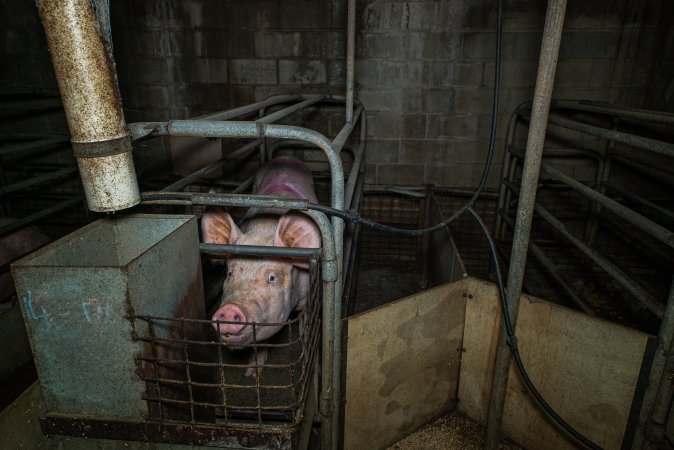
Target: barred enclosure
<point>194,379</point>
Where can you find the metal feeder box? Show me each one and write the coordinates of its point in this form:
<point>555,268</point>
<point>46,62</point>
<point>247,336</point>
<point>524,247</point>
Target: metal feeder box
<point>77,295</point>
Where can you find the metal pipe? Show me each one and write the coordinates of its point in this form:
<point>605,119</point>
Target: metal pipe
<point>658,396</point>
<point>357,161</point>
<point>279,145</point>
<point>86,76</point>
<point>657,231</point>
<point>40,214</point>
<point>618,136</point>
<point>350,56</point>
<point>244,151</point>
<point>259,250</point>
<point>33,145</point>
<point>37,180</point>
<point>547,64</point>
<point>216,199</point>
<point>642,296</point>
<point>642,201</point>
<point>248,109</point>
<point>617,111</point>
<point>552,270</point>
<point>285,112</point>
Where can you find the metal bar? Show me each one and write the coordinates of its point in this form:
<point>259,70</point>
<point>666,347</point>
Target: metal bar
<point>257,250</point>
<point>16,108</point>
<point>215,199</point>
<point>510,136</point>
<point>87,80</point>
<point>657,231</point>
<point>618,136</point>
<point>37,180</point>
<point>642,201</point>
<point>39,215</point>
<point>245,151</point>
<point>552,269</point>
<point>357,161</point>
<point>658,396</point>
<point>661,174</point>
<point>285,112</point>
<point>33,145</point>
<point>547,64</point>
<point>617,111</point>
<point>248,109</point>
<point>642,296</point>
<point>350,56</point>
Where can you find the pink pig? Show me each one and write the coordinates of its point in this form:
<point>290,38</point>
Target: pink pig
<point>259,289</point>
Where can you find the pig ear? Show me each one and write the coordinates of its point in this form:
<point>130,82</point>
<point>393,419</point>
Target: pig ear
<point>218,227</point>
<point>297,230</point>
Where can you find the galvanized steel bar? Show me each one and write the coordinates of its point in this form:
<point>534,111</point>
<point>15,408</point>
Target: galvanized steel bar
<point>244,151</point>
<point>216,199</point>
<point>350,56</point>
<point>37,180</point>
<point>552,269</point>
<point>40,214</point>
<point>86,76</point>
<point>642,201</point>
<point>657,231</point>
<point>258,250</point>
<point>652,145</point>
<point>32,145</point>
<point>248,109</point>
<point>547,64</point>
<point>658,396</point>
<point>642,296</point>
<point>616,111</point>
<point>285,112</point>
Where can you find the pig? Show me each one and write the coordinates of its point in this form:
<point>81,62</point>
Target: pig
<point>12,247</point>
<point>262,289</point>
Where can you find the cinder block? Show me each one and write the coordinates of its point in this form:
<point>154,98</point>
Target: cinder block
<point>383,150</point>
<point>253,71</point>
<point>385,15</point>
<point>240,44</point>
<point>439,100</point>
<point>336,72</point>
<point>258,15</point>
<point>590,44</point>
<point>441,74</point>
<point>449,175</point>
<point>216,43</point>
<point>387,46</point>
<point>478,45</point>
<point>423,15</point>
<point>366,72</point>
<point>381,99</point>
<point>335,43</point>
<point>390,125</point>
<point>302,72</point>
<point>278,44</point>
<point>186,43</point>
<point>574,73</point>
<point>452,126</point>
<point>473,100</point>
<point>217,70</point>
<point>413,100</point>
<point>304,15</point>
<point>150,70</point>
<point>400,174</point>
<point>514,73</point>
<point>441,46</point>
<point>468,74</point>
<point>189,70</point>
<point>152,97</point>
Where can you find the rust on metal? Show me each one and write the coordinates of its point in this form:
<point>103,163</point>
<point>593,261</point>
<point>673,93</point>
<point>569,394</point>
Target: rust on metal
<point>84,70</point>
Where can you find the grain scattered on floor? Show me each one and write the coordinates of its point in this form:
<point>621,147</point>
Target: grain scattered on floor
<point>451,432</point>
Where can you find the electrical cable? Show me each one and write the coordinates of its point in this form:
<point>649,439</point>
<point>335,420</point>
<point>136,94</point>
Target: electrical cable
<point>512,342</point>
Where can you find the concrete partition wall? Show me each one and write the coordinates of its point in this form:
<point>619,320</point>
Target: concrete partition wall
<point>415,359</point>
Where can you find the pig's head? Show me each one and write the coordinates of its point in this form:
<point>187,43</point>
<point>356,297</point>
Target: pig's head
<point>259,289</point>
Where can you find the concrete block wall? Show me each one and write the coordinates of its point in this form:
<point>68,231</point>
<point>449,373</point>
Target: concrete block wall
<point>424,69</point>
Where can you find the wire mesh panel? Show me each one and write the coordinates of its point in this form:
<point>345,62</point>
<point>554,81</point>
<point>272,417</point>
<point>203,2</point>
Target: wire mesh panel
<point>192,377</point>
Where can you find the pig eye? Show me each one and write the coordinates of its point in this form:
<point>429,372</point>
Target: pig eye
<point>271,278</point>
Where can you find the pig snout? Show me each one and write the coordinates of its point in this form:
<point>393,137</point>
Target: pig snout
<point>234,317</point>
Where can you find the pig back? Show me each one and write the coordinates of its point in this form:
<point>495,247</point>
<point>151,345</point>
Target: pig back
<point>286,177</point>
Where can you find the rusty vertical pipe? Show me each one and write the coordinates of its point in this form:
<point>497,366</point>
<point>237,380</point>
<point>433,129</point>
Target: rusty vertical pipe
<point>547,64</point>
<point>86,76</point>
<point>350,56</point>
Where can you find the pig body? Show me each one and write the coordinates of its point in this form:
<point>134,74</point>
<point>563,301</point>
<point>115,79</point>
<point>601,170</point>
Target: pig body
<point>262,289</point>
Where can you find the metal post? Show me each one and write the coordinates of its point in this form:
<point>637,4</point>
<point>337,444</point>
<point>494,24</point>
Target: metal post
<point>350,57</point>
<point>87,81</point>
<point>658,397</point>
<point>552,35</point>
